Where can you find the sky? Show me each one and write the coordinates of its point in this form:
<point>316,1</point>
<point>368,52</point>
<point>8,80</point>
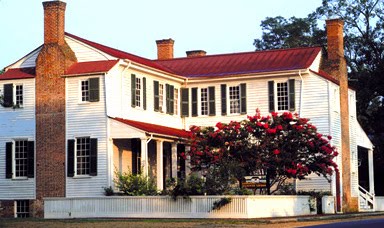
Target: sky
<point>216,26</point>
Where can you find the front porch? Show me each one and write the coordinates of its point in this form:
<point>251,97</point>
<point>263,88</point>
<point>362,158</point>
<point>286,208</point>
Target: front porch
<point>152,150</point>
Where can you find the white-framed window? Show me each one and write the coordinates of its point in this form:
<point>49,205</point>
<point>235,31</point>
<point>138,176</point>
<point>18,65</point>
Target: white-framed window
<point>234,99</point>
<point>84,90</point>
<point>13,95</point>
<point>138,92</point>
<point>161,97</point>
<point>282,96</point>
<point>21,208</point>
<point>204,101</point>
<point>20,155</point>
<point>89,90</point>
<point>176,101</point>
<point>83,148</point>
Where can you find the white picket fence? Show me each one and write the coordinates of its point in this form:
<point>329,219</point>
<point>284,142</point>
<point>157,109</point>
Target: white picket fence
<point>165,207</point>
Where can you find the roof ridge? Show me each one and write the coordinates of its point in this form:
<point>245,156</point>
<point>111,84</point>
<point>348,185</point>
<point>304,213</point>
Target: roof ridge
<point>238,53</point>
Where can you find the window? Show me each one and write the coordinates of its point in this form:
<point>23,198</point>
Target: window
<point>204,101</point>
<point>19,159</point>
<point>176,101</point>
<point>161,97</point>
<point>82,157</point>
<point>138,92</point>
<point>22,208</point>
<point>90,90</point>
<point>12,95</point>
<point>234,99</point>
<point>281,95</point>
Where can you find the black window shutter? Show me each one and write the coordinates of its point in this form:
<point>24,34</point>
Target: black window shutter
<point>194,101</point>
<point>291,88</point>
<point>31,159</point>
<point>71,158</point>
<point>223,99</point>
<point>93,158</point>
<point>184,102</point>
<point>243,98</point>
<point>167,98</point>
<point>156,95</point>
<point>211,97</point>
<point>8,159</point>
<point>94,89</point>
<point>144,93</point>
<point>8,95</point>
<point>271,97</point>
<point>133,90</point>
<point>171,99</point>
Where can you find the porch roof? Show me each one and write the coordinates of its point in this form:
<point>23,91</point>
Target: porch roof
<point>155,129</point>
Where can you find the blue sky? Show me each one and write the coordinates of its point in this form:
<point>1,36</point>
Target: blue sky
<point>216,26</point>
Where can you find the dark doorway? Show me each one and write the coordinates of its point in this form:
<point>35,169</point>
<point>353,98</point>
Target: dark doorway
<point>167,162</point>
<point>363,167</point>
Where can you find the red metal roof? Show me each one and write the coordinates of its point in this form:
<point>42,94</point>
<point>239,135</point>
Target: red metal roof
<point>90,67</point>
<point>242,63</point>
<point>120,54</point>
<point>155,129</point>
<point>18,73</point>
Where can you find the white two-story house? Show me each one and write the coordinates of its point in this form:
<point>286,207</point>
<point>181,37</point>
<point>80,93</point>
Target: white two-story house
<point>74,112</point>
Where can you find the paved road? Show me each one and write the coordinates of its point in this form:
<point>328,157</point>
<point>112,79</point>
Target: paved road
<point>367,223</point>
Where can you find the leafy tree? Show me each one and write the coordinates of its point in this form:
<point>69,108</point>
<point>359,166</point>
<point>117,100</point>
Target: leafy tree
<point>285,146</point>
<point>279,32</point>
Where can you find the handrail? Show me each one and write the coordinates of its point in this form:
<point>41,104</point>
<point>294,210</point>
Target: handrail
<point>368,197</point>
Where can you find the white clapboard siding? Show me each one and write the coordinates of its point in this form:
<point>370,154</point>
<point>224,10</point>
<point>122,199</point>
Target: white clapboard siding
<point>83,120</point>
<point>316,63</point>
<point>17,124</point>
<point>27,61</point>
<point>85,53</point>
<point>316,108</point>
<point>119,100</point>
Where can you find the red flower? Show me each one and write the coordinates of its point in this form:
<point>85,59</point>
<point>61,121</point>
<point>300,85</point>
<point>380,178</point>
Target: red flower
<point>266,126</point>
<point>271,131</point>
<point>279,127</point>
<point>274,114</point>
<point>329,137</point>
<point>276,152</point>
<point>219,125</point>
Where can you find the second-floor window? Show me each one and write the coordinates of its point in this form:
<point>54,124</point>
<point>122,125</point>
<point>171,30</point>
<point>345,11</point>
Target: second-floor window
<point>204,101</point>
<point>138,92</point>
<point>281,95</point>
<point>176,102</point>
<point>165,98</point>
<point>234,99</point>
<point>161,97</point>
<point>13,95</point>
<point>90,90</point>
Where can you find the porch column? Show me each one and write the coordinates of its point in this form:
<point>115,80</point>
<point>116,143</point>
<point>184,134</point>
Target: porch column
<point>144,156</point>
<point>187,161</point>
<point>159,164</point>
<point>174,160</point>
<point>371,172</point>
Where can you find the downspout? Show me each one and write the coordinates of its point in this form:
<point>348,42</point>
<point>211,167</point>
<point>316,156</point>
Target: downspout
<point>301,93</point>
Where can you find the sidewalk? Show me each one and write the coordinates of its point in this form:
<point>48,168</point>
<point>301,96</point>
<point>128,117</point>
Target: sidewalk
<point>320,217</point>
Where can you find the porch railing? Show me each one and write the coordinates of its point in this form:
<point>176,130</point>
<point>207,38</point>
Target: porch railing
<point>366,200</point>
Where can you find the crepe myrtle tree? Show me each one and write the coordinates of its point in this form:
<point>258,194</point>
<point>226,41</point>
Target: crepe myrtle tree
<point>283,145</point>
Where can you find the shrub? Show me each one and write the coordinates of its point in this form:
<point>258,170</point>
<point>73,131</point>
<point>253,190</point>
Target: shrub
<point>135,184</point>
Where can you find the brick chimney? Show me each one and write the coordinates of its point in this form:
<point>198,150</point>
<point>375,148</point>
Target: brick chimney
<point>53,60</point>
<point>165,49</point>
<point>336,66</point>
<point>196,53</point>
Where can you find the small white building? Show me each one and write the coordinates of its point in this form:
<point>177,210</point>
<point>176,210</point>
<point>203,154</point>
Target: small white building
<point>75,111</point>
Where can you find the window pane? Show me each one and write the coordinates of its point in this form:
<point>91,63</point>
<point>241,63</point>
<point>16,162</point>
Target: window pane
<point>204,101</point>
<point>82,156</point>
<point>85,90</point>
<point>19,95</point>
<point>161,97</point>
<point>234,99</point>
<point>138,91</point>
<point>22,208</point>
<point>282,96</point>
<point>21,159</point>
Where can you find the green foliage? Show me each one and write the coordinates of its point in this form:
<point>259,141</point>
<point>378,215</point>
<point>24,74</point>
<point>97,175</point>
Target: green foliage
<point>221,203</point>
<point>192,185</point>
<point>108,191</point>
<point>135,184</point>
